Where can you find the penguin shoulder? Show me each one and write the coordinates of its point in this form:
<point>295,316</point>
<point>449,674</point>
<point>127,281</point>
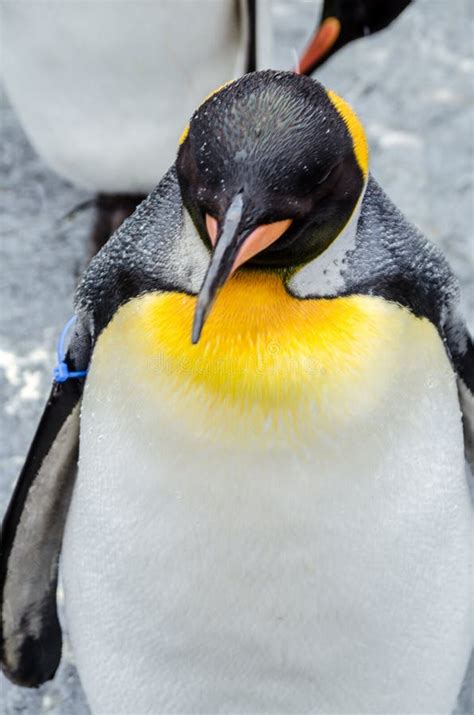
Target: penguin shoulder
<point>156,249</point>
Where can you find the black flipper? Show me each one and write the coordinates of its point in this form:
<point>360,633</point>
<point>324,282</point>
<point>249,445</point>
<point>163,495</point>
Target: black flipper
<point>32,531</point>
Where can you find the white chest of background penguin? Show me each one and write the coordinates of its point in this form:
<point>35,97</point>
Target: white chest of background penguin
<point>275,518</point>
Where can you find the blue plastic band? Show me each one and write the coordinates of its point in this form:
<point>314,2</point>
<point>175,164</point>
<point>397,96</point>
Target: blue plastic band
<point>61,372</point>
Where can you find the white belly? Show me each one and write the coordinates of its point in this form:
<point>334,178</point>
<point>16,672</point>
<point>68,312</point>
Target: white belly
<point>104,89</point>
<point>330,575</point>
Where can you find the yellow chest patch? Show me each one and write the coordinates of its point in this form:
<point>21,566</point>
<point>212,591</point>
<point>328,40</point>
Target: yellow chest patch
<point>263,352</point>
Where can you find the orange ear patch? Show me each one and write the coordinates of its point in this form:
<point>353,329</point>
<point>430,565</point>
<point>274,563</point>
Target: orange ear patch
<point>355,128</point>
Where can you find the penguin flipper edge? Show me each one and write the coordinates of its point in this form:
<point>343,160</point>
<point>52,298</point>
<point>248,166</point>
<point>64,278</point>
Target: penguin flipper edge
<point>460,347</point>
<point>464,366</point>
<point>32,531</point>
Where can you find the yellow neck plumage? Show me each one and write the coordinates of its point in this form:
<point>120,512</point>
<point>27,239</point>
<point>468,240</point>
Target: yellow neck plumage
<point>263,352</point>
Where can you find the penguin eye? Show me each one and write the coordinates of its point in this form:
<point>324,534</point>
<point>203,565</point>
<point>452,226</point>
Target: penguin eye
<point>327,174</point>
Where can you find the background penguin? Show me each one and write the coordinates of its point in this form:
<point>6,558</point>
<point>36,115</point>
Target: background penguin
<point>343,21</point>
<point>255,510</point>
<point>102,88</point>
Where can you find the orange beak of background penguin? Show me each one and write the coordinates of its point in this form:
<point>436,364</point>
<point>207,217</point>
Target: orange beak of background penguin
<point>233,244</point>
<point>320,45</point>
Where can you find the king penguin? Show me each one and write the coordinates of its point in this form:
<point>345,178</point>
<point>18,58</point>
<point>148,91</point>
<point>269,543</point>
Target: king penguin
<point>101,88</point>
<point>342,22</point>
<point>271,512</point>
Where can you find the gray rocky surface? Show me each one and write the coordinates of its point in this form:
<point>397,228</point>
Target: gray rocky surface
<point>413,87</point>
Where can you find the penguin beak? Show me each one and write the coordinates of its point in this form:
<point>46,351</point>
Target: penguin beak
<point>320,45</point>
<point>233,245</point>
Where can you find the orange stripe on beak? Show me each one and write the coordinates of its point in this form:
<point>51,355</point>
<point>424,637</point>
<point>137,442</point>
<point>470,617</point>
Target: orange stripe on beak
<point>320,44</point>
<point>211,225</point>
<point>260,238</point>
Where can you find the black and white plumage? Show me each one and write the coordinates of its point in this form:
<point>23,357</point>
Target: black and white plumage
<point>238,553</point>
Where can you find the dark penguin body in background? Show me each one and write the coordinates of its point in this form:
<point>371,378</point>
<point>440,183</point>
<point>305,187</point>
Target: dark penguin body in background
<point>285,495</point>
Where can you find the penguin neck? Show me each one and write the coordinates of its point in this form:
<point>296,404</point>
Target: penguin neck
<point>323,276</point>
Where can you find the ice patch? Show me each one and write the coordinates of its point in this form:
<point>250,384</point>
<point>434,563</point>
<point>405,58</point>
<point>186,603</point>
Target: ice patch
<point>399,139</point>
<point>20,376</point>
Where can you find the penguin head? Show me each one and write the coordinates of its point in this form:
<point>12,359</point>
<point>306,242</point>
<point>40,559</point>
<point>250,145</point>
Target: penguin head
<point>343,21</point>
<point>270,168</point>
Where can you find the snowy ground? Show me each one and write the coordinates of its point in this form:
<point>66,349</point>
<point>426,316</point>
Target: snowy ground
<point>412,86</point>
